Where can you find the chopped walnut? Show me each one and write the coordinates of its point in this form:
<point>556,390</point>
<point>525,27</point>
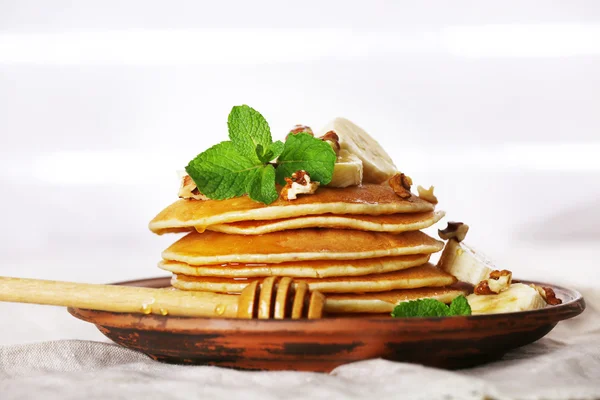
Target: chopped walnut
<point>299,183</point>
<point>334,141</point>
<point>300,129</point>
<point>454,230</point>
<point>551,297</point>
<point>483,288</point>
<point>497,282</point>
<point>401,184</point>
<point>547,294</point>
<point>427,194</point>
<point>189,190</point>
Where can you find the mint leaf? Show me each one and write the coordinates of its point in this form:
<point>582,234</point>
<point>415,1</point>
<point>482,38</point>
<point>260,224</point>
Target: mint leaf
<point>221,172</point>
<point>275,148</point>
<point>242,165</point>
<point>460,306</point>
<point>261,153</point>
<point>420,308</point>
<point>432,308</point>
<point>303,151</point>
<point>248,129</point>
<point>262,187</point>
<point>272,152</point>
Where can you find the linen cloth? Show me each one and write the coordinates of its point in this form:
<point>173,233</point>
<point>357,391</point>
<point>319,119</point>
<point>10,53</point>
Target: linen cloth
<point>563,365</point>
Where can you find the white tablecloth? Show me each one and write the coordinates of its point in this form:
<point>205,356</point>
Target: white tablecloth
<point>563,365</point>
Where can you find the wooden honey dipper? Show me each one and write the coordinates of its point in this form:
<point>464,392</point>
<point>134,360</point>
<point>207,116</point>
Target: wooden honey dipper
<point>275,298</point>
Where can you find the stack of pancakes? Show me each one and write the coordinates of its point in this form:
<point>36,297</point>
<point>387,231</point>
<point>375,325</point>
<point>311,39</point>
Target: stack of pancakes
<point>361,246</point>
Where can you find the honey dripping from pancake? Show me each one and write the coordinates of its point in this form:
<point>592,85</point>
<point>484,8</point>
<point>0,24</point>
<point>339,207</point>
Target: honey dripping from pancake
<point>147,306</point>
<point>146,309</point>
<point>220,309</point>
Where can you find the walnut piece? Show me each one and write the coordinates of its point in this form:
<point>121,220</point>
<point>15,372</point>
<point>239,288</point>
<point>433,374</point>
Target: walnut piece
<point>483,288</point>
<point>299,183</point>
<point>334,141</point>
<point>401,184</point>
<point>547,294</point>
<point>300,129</point>
<point>427,194</point>
<point>498,282</point>
<point>454,230</point>
<point>189,190</point>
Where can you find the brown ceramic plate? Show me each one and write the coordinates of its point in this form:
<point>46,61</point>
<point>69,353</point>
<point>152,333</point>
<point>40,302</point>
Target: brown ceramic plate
<point>321,345</point>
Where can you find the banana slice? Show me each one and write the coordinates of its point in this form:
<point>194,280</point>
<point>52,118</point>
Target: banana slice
<point>348,171</point>
<point>464,263</point>
<point>377,164</point>
<point>518,297</point>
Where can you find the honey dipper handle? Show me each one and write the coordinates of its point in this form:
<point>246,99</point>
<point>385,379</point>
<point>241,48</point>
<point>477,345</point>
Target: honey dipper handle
<point>123,299</point>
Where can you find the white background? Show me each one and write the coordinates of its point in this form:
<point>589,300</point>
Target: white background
<point>495,103</point>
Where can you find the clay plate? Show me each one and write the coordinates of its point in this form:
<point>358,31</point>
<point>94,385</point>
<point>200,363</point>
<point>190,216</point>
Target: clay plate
<point>321,345</point>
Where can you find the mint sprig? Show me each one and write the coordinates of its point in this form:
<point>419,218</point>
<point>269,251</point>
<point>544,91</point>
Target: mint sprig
<point>261,187</point>
<point>221,172</point>
<point>460,306</point>
<point>302,151</point>
<point>432,308</point>
<point>247,130</point>
<point>245,164</point>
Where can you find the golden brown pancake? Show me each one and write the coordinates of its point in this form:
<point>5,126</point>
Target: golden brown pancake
<point>302,269</point>
<point>422,276</point>
<point>384,302</point>
<point>376,223</point>
<point>365,199</point>
<point>303,244</point>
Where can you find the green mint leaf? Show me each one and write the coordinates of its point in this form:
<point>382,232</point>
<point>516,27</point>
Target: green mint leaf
<point>303,151</point>
<point>275,148</point>
<point>261,153</point>
<point>248,129</point>
<point>420,308</point>
<point>432,308</point>
<point>221,172</point>
<point>269,154</point>
<point>460,306</point>
<point>262,187</point>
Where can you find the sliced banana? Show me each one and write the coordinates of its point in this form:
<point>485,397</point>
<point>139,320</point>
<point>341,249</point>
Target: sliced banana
<point>464,263</point>
<point>377,164</point>
<point>348,170</point>
<point>518,297</point>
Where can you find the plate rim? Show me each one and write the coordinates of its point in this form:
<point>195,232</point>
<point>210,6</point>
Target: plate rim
<point>569,309</point>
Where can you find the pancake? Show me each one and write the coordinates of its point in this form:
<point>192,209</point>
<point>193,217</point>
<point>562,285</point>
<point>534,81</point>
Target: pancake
<point>365,199</point>
<point>417,277</point>
<point>297,245</point>
<point>359,315</point>
<point>376,223</point>
<point>299,269</point>
<point>385,302</point>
